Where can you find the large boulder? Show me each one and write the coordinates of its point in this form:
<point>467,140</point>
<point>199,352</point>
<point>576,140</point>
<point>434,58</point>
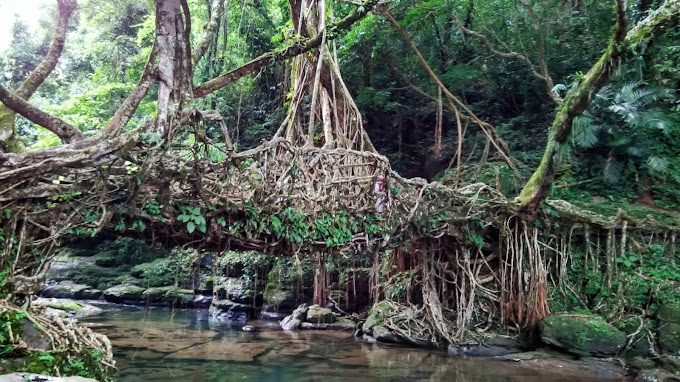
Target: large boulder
<point>295,319</point>
<point>125,293</point>
<point>64,307</point>
<point>318,315</point>
<point>668,320</point>
<point>69,289</point>
<point>582,335</point>
<point>169,295</point>
<point>379,312</point>
<point>237,290</point>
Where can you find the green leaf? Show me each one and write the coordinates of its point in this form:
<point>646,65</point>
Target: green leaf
<point>191,226</point>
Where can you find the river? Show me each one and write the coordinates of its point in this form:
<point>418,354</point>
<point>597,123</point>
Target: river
<point>186,345</point>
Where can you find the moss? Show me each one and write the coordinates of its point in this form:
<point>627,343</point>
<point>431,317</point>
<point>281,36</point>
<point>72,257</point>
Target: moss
<point>69,306</point>
<point>379,311</point>
<point>669,337</point>
<point>582,334</point>
<point>669,313</point>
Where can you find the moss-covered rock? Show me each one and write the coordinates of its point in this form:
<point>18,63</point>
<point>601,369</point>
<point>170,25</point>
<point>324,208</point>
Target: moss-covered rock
<point>125,293</point>
<point>669,337</point>
<point>582,335</point>
<point>69,289</point>
<point>319,315</point>
<point>236,289</point>
<point>379,312</point>
<point>669,313</point>
<point>66,307</point>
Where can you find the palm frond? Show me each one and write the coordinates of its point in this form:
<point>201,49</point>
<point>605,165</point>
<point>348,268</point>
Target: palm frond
<point>657,164</point>
<point>612,170</point>
<point>584,132</point>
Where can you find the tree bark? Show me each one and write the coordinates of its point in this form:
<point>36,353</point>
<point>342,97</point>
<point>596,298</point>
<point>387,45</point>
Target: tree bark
<point>621,46</point>
<point>9,141</point>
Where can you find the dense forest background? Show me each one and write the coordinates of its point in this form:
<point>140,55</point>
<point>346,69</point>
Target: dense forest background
<point>509,60</point>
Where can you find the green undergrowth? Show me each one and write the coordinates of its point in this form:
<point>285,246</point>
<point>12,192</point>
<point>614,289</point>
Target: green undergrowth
<point>15,357</point>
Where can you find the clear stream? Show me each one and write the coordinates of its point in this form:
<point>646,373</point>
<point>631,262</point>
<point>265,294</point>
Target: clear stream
<point>186,345</point>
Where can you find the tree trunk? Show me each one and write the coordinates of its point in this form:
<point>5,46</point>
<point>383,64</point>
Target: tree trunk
<point>579,97</point>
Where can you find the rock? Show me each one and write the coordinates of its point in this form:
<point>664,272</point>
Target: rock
<point>34,338</point>
<point>382,334</point>
<point>641,363</point>
<point>125,293</point>
<point>670,363</point>
<point>290,323</point>
<point>669,337</point>
<point>169,295</point>
<point>156,294</point>
<point>66,307</point>
<point>237,290</point>
<point>280,300</point>
<point>64,263</point>
<point>343,323</point>
<point>23,377</point>
<point>582,335</point>
<point>656,375</point>
<point>369,339</point>
<point>640,345</point>
<point>202,301</point>
<point>295,319</point>
<point>480,350</point>
<point>378,312</point>
<point>229,310</point>
<point>669,313</point>
<point>319,315</point>
<point>68,289</point>
<point>583,368</point>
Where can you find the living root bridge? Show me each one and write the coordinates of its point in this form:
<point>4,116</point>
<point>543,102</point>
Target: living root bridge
<point>464,258</point>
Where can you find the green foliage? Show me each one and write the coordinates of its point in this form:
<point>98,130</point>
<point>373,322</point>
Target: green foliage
<point>193,218</point>
<point>173,270</point>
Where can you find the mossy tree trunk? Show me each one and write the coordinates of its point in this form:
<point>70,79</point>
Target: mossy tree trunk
<point>621,46</point>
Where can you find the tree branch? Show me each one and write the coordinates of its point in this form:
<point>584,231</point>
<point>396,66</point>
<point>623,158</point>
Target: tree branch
<point>622,46</point>
<point>8,138</point>
<point>39,74</point>
<point>66,132</point>
<point>542,73</point>
<point>216,10</point>
<point>283,54</point>
<point>126,110</point>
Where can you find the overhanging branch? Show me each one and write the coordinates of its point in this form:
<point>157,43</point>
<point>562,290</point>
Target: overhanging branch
<point>283,54</point>
<point>66,132</point>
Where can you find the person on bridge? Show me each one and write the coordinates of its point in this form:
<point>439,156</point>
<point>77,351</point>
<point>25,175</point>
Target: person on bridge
<point>380,190</point>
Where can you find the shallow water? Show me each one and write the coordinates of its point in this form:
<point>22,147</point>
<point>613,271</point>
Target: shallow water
<point>160,345</point>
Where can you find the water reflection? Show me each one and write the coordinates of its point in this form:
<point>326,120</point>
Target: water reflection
<point>159,345</point>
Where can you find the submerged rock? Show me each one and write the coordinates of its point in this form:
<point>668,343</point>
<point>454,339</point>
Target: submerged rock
<point>125,293</point>
<point>582,335</point>
<point>491,347</point>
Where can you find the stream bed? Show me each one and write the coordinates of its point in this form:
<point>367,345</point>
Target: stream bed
<point>188,345</point>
